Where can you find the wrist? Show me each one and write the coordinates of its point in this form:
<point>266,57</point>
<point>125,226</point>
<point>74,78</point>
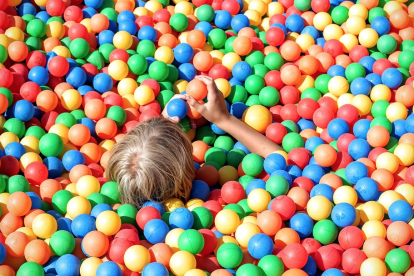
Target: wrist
<point>224,120</point>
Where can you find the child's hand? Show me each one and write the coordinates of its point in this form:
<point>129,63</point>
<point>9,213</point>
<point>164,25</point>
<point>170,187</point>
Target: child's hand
<point>215,110</point>
<point>176,119</point>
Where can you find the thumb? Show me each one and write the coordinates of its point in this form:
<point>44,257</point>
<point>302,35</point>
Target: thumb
<point>191,101</point>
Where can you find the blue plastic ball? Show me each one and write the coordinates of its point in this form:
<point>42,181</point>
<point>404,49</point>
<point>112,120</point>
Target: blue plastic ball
<point>200,190</point>
<point>361,128</point>
<point>322,190</point>
<point>302,224</point>
<point>156,230</point>
<point>336,70</point>
<point>409,123</point>
<point>102,82</point>
<point>312,31</point>
<point>128,26</point>
<point>392,78</point>
<point>177,108</point>
<point>260,245</point>
<point>50,265</point>
<point>337,127</point>
<point>381,25</point>
<point>400,210</point>
<point>205,27</point>
<point>310,267</point>
<point>3,253</point>
<point>255,184</point>
<point>359,148</point>
<point>99,208</point>
<point>54,214</point>
<point>239,145</point>
<point>82,225</point>
<point>313,172</point>
<point>183,53</point>
<point>294,171</point>
<point>398,128</point>
<point>187,71</point>
<point>241,70</point>
<point>222,19</point>
<point>72,158</point>
<point>237,109</point>
<point>109,269</point>
<point>367,62</point>
<point>39,75</point>
<point>126,15</point>
<point>15,149</point>
<point>374,78</point>
<point>24,110</point>
<point>89,123</point>
<point>313,142</point>
<point>105,37</point>
<point>155,269</point>
<point>343,214</point>
<point>76,77</point>
<point>360,86</point>
<point>239,22</point>
<point>283,173</point>
<point>305,124</point>
<point>156,205</point>
<point>36,200</point>
<point>54,166</point>
<point>274,162</point>
<point>181,218</point>
<point>355,171</point>
<point>68,265</point>
<point>367,189</point>
<point>295,23</point>
<point>147,33</point>
<point>64,224</point>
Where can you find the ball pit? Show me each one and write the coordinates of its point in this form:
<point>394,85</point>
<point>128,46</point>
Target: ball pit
<point>331,82</point>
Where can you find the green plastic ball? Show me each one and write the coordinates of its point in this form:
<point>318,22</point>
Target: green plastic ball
<point>269,96</point>
<point>244,180</point>
<point>398,261</point>
<point>158,70</point>
<point>252,164</point>
<point>290,126</point>
<point>229,255</point>
<point>178,22</point>
<point>274,61</point>
<point>191,241</point>
<point>392,144</point>
<point>127,213</point>
<point>236,208</point>
<point>302,5</point>
<point>406,58</point>
<point>216,155</point>
<point>18,183</point>
<point>146,48</point>
<point>117,114</point>
<point>35,131</point>
<point>15,126</point>
<point>292,141</point>
<point>224,142</point>
<point>253,100</point>
<point>255,58</point>
<point>386,44</point>
<point>60,200</point>
<point>167,85</point>
<point>238,94</point>
<point>228,45</point>
<point>33,43</point>
<point>185,124</point>
<point>206,135</point>
<point>36,28</point>
<point>105,50</point>
<point>277,185</point>
<point>248,270</point>
<point>321,83</point>
<point>235,157</point>
<point>45,206</point>
<point>78,114</point>
<point>217,38</point>
<point>3,184</point>
<point>172,76</point>
<point>325,231</point>
<point>382,121</point>
<point>137,64</point>
<point>51,145</point>
<point>341,174</point>
<point>164,97</point>
<point>96,198</point>
<point>339,14</point>
<point>260,70</point>
<point>311,93</point>
<point>66,119</point>
<point>244,204</point>
<point>110,13</point>
<point>3,54</point>
<point>353,71</point>
<point>79,48</point>
<point>30,269</point>
<point>254,84</point>
<point>110,190</point>
<point>375,12</point>
<point>406,45</point>
<point>379,108</point>
<point>271,265</point>
<point>202,218</point>
<point>205,13</point>
<point>62,242</point>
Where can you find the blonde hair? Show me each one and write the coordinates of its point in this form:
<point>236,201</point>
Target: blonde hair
<point>154,162</point>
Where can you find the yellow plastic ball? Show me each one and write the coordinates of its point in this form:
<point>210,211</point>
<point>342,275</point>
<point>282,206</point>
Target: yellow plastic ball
<point>194,203</point>
<point>89,266</point>
<point>181,262</point>
<point>227,173</point>
<point>411,223</point>
<point>304,41</point>
<point>44,226</point>
<point>87,185</point>
<point>405,153</point>
<point>165,53</point>
<point>330,95</point>
<point>106,145</point>
<point>387,198</point>
<point>319,208</point>
<point>87,23</point>
<point>136,258</point>
<point>396,111</point>
<point>78,205</point>
<point>28,231</point>
<point>31,144</point>
<point>62,131</point>
<point>108,222</point>
<point>345,99</point>
<point>227,221</point>
<point>172,204</point>
<point>207,48</point>
<point>345,194</point>
<point>358,10</point>
<point>368,37</point>
<point>305,82</point>
<point>275,8</point>
<point>184,7</point>
<point>258,5</point>
<point>355,24</point>
<point>371,210</point>
<point>338,85</point>
<point>27,158</point>
<point>380,92</point>
<point>224,86</point>
<point>217,56</point>
<point>265,25</point>
<point>195,272</point>
<point>407,192</point>
<point>250,219</point>
<point>245,231</point>
<point>258,200</point>
<point>253,16</point>
<point>258,117</point>
<point>391,6</point>
<point>144,95</point>
<point>140,11</point>
<point>348,41</point>
<point>229,60</point>
<point>388,161</point>
<point>5,40</point>
<point>153,6</point>
<point>374,228</point>
<point>71,99</point>
<point>292,36</point>
<point>127,86</point>
<point>3,203</point>
<point>172,238</point>
<point>118,70</point>
<point>129,101</point>
<point>362,103</point>
<point>180,86</point>
<point>182,37</point>
<point>322,20</point>
<point>15,34</point>
<point>332,31</point>
<point>373,267</point>
<point>72,189</point>
<point>6,138</point>
<point>55,29</point>
<point>122,40</point>
<point>62,51</point>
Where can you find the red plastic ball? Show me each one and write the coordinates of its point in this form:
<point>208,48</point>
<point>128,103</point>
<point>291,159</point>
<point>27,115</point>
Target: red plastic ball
<point>36,173</point>
<point>294,255</point>
<point>155,86</point>
<point>358,52</point>
<point>58,66</point>
<point>322,117</point>
<point>342,160</point>
<point>9,165</point>
<point>78,31</point>
<point>351,237</point>
<point>129,233</point>
<point>290,112</point>
<point>210,241</point>
<point>73,13</point>
<point>218,71</point>
<point>275,36</point>
<point>320,5</point>
<point>90,96</point>
<point>333,47</point>
<point>232,6</point>
<point>29,91</point>
<point>6,78</point>
<point>380,65</point>
<point>232,192</point>
<point>289,95</point>
<point>272,78</point>
<point>349,113</point>
<point>162,15</point>
<point>117,249</point>
<point>277,18</point>
<point>284,206</point>
<point>213,206</point>
<point>145,116</point>
<point>352,260</point>
<point>327,257</point>
<point>55,7</point>
<point>344,140</point>
<point>144,20</point>
<point>329,103</point>
<point>35,58</point>
<point>119,54</point>
<point>113,99</point>
<point>154,106</point>
<point>299,157</point>
<point>146,214</point>
<point>276,132</point>
<point>304,183</point>
<point>311,246</point>
<point>307,107</point>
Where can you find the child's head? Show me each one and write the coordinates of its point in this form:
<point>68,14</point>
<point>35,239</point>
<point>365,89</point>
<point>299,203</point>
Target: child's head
<point>153,161</point>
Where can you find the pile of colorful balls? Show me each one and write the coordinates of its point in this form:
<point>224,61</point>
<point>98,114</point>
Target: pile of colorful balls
<point>330,81</point>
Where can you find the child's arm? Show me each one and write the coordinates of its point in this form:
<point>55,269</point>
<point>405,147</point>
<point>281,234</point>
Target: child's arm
<point>215,111</point>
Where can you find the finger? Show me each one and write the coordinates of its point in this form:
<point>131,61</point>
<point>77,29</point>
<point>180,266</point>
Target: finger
<point>191,101</point>
<point>178,96</point>
<point>175,119</point>
<point>209,82</point>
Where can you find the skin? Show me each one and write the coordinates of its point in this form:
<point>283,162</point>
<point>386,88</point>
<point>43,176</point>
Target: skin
<point>215,111</point>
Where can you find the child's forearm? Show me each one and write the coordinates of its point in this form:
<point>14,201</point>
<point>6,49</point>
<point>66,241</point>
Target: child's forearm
<point>250,138</point>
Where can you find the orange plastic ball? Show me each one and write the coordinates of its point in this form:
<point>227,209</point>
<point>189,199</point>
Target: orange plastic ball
<point>196,38</point>
<point>378,136</point>
<point>18,51</point>
<point>399,19</point>
<point>28,219</point>
<point>286,236</point>
<point>92,153</point>
<point>290,50</point>
<point>95,244</point>
<point>376,247</point>
<point>79,135</point>
<point>161,253</point>
<point>48,188</point>
<point>95,109</point>
<point>325,61</point>
<point>290,74</point>
<point>46,100</point>
<point>37,251</point>
<point>106,128</point>
<point>325,155</point>
<point>300,197</point>
<point>99,22</point>
<point>203,61</point>
<point>399,233</point>
<point>19,204</point>
<point>308,65</point>
<point>15,244</point>
<point>405,95</point>
<point>78,171</point>
<point>242,45</point>
<point>168,40</point>
<point>197,89</point>
<point>8,271</point>
<point>199,150</point>
<point>332,180</point>
<point>269,222</point>
<point>247,31</point>
<point>294,272</point>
